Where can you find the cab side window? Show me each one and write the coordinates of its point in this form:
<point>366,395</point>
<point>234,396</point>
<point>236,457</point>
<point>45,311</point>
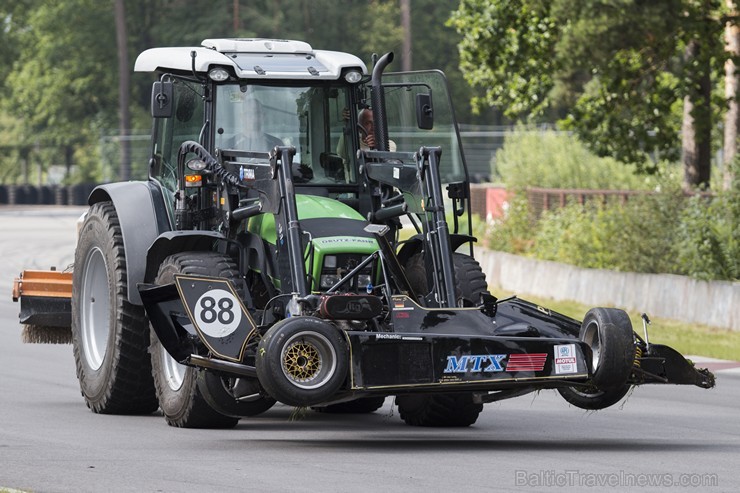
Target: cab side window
<point>184,124</point>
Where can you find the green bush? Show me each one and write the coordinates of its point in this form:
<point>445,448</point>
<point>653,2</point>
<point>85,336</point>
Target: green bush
<point>656,233</point>
<point>709,245</point>
<point>549,159</point>
<point>660,232</point>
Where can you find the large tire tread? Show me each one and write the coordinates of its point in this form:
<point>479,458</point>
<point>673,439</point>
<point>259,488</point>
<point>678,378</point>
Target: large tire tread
<point>124,385</point>
<point>187,407</point>
<point>439,410</point>
<point>453,410</point>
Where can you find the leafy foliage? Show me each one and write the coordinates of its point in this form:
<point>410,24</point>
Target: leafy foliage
<point>615,71</point>
<point>659,231</point>
<point>549,159</point>
<point>59,73</point>
<point>643,235</point>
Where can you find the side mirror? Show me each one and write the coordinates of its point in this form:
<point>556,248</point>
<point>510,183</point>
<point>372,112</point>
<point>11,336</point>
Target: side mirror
<point>162,99</point>
<point>424,111</point>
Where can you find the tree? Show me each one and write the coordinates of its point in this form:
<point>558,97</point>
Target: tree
<point>615,71</point>
<point>62,83</point>
<point>124,112</point>
<point>732,81</point>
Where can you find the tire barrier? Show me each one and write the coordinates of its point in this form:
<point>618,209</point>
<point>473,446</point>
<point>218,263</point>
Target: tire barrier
<point>46,194</point>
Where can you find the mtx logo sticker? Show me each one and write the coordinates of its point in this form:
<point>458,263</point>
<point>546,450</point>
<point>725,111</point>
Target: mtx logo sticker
<point>476,363</point>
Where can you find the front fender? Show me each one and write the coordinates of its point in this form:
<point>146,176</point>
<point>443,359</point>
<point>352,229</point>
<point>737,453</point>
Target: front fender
<point>142,216</point>
<point>171,242</point>
<point>416,243</point>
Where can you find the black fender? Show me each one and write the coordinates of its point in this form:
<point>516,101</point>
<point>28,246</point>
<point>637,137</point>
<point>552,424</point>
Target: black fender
<point>142,214</point>
<point>414,245</point>
<point>171,242</point>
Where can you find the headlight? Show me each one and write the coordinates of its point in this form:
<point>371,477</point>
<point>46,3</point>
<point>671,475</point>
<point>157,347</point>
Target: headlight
<point>218,74</point>
<point>363,280</point>
<point>328,280</point>
<point>353,76</point>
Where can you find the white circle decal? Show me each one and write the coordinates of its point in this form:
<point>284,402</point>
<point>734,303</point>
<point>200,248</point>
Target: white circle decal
<point>218,313</point>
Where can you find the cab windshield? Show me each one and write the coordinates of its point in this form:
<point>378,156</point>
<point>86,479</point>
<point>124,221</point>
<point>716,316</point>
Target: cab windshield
<point>252,117</point>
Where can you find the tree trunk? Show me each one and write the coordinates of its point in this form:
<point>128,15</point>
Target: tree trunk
<point>696,130</point>
<point>732,46</point>
<point>406,27</point>
<point>123,91</point>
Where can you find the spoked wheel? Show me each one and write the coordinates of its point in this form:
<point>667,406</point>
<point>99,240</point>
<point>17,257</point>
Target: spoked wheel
<point>608,332</point>
<point>110,336</point>
<point>302,361</point>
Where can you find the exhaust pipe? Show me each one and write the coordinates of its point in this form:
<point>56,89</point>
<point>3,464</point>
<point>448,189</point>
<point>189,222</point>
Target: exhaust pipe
<point>377,101</point>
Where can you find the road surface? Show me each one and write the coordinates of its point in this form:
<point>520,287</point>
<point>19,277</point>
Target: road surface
<point>662,438</point>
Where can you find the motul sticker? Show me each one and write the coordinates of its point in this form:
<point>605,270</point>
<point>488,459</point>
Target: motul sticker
<point>565,359</point>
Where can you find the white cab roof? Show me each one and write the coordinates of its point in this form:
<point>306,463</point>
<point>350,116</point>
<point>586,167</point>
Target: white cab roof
<point>252,59</point>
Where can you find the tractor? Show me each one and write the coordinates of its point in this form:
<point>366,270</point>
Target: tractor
<point>282,250</point>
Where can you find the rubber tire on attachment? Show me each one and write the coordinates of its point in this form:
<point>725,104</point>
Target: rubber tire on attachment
<point>363,405</point>
<point>454,410</point>
<point>180,397</point>
<point>608,331</point>
<point>110,336</point>
<point>328,348</point>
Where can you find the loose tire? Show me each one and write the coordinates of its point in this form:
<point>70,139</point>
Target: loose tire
<point>363,405</point>
<point>181,390</point>
<point>454,410</point>
<point>302,361</point>
<point>450,410</point>
<point>110,336</point>
<point>608,332</point>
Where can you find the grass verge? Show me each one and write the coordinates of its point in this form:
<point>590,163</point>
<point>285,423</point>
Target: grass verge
<point>686,338</point>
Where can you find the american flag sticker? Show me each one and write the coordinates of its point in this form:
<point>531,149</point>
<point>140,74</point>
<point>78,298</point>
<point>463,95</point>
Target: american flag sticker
<point>526,362</point>
<point>565,359</point>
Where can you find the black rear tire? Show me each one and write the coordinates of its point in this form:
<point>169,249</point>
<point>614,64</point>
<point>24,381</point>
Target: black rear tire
<point>110,336</point>
<point>455,410</point>
<point>608,332</point>
<point>180,396</point>
<point>438,410</point>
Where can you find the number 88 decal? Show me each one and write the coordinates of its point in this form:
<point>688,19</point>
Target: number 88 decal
<point>218,313</point>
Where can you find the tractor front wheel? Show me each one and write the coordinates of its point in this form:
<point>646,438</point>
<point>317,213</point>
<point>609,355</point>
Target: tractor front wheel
<point>179,392</point>
<point>451,410</point>
<point>444,409</point>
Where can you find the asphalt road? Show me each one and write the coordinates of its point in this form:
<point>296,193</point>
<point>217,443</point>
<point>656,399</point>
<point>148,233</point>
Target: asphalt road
<point>662,438</point>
